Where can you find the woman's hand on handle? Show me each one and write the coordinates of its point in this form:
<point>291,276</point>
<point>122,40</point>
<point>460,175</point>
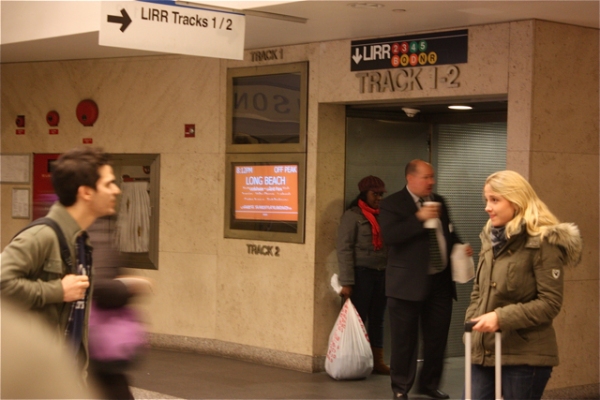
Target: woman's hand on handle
<point>487,322</point>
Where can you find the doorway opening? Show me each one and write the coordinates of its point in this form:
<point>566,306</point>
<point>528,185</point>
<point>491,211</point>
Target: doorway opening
<point>464,149</point>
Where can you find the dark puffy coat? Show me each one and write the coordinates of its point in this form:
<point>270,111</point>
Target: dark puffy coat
<point>523,284</point>
<point>355,246</point>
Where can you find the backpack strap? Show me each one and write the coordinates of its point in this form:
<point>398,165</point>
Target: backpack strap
<point>65,253</point>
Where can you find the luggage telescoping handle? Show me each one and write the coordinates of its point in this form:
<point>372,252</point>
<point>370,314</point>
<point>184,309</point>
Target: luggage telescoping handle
<point>498,366</point>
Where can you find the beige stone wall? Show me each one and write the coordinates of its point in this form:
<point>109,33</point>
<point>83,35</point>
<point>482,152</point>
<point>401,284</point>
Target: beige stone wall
<point>553,141</point>
<point>143,104</point>
<point>564,167</point>
<point>211,295</point>
<point>330,206</point>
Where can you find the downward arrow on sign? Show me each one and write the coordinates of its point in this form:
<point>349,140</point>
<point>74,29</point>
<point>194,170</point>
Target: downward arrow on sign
<point>357,56</point>
<point>124,19</point>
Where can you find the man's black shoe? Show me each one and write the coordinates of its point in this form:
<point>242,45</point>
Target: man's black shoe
<point>434,393</point>
<point>400,396</point>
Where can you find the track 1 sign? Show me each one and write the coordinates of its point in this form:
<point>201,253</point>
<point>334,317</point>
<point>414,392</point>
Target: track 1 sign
<point>172,29</point>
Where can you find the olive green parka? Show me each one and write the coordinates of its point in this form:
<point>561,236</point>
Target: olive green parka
<point>523,284</point>
<point>31,273</point>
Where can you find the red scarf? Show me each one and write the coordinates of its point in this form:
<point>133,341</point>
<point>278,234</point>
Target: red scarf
<point>370,214</point>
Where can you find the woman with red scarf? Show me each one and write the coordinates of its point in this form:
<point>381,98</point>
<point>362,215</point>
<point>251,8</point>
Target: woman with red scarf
<point>362,260</point>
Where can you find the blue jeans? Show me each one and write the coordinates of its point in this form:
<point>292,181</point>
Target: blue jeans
<point>368,296</point>
<point>519,382</point>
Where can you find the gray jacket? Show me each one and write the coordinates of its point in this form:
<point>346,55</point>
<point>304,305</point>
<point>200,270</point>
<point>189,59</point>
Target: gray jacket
<point>355,246</point>
<point>523,284</point>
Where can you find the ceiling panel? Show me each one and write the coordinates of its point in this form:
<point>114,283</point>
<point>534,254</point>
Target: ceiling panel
<point>327,20</point>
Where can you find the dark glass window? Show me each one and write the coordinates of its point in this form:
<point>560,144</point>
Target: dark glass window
<point>266,109</point>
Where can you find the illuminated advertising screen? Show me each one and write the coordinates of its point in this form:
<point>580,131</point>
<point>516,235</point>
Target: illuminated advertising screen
<point>265,197</point>
<point>266,192</point>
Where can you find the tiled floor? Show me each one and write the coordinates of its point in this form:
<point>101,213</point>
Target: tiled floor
<point>166,374</point>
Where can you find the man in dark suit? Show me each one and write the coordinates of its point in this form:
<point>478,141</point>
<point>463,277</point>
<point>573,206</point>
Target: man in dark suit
<point>419,284</point>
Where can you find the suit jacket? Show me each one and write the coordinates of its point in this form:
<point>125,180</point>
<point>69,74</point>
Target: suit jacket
<point>408,247</point>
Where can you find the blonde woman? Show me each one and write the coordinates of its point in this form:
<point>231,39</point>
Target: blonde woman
<point>518,288</point>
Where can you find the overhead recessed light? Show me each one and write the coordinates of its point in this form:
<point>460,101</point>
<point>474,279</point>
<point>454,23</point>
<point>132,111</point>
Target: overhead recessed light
<point>460,107</point>
<point>365,5</point>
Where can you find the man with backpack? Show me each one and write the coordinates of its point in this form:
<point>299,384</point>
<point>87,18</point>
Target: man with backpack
<point>46,268</point>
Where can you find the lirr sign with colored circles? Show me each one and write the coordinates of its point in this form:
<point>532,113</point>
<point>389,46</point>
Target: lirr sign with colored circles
<point>410,51</point>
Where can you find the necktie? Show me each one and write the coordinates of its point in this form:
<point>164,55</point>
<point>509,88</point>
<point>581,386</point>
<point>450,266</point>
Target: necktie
<point>436,263</point>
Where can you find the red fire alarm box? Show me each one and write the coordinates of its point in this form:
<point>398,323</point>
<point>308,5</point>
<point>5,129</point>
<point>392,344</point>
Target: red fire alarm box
<point>87,112</point>
<point>190,130</point>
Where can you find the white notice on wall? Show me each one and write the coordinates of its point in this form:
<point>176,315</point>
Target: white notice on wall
<point>20,203</point>
<point>14,168</point>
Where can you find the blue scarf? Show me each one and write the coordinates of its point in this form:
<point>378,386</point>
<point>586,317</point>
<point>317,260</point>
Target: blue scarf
<point>498,238</point>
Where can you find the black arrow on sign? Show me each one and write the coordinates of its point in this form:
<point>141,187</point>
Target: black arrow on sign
<point>124,20</point>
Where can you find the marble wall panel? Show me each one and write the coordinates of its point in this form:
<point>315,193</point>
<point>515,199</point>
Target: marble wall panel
<point>327,303</point>
<point>314,136</point>
<point>24,94</point>
<point>330,211</point>
<point>518,161</point>
<point>191,209</point>
<point>486,71</point>
<point>577,334</point>
<point>330,206</point>
<point>266,302</point>
<point>564,171</point>
<point>143,103</point>
<point>184,297</point>
<point>310,220</point>
<point>331,130</point>
<point>565,89</point>
<point>192,189</point>
<point>519,89</point>
<point>568,184</point>
<point>331,203</point>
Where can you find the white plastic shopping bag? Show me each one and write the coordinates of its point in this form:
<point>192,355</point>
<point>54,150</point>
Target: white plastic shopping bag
<point>463,267</point>
<point>349,355</point>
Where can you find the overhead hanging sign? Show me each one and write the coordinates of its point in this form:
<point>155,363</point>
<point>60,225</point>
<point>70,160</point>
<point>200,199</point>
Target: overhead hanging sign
<point>410,51</point>
<point>172,28</point>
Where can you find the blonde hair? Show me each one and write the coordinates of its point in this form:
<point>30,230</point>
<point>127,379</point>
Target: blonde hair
<point>529,209</point>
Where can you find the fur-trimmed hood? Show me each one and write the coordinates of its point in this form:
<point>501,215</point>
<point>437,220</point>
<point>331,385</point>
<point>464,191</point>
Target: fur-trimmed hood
<point>567,236</point>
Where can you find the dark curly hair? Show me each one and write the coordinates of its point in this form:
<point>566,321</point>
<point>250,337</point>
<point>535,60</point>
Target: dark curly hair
<point>74,168</point>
